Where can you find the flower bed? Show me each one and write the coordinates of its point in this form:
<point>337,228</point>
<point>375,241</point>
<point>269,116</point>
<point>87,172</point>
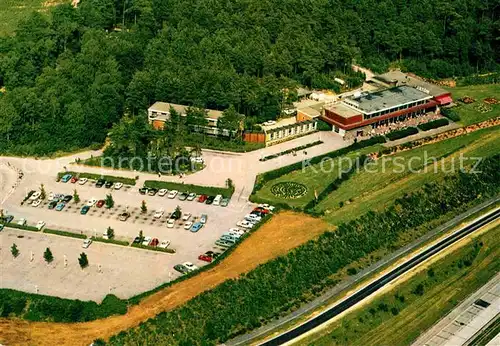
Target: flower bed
<point>289,189</point>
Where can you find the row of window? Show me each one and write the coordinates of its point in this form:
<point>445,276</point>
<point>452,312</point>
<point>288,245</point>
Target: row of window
<point>395,109</point>
<point>292,131</point>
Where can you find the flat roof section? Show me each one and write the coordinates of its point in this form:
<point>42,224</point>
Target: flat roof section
<point>388,98</point>
<point>402,78</point>
<point>343,110</point>
<point>164,107</point>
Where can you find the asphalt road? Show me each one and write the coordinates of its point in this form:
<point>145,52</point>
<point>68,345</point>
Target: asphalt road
<point>376,285</point>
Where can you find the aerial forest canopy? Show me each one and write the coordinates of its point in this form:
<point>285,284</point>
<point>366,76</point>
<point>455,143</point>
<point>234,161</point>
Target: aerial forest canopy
<point>69,75</point>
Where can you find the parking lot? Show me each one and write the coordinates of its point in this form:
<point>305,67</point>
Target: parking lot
<point>134,279</point>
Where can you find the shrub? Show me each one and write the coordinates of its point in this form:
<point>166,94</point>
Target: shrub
<point>433,124</point>
<point>450,114</point>
<point>394,135</point>
<point>65,234</point>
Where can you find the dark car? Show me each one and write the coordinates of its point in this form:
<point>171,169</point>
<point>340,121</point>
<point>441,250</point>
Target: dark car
<point>143,191</point>
<point>53,204</point>
<point>183,196</point>
<point>137,240</point>
<point>210,199</point>
<point>152,191</point>
<point>100,203</point>
<point>30,194</point>
<point>258,213</point>
<point>9,218</point>
<point>100,183</point>
<point>85,210</point>
<point>124,216</point>
<point>181,268</point>
<point>67,198</point>
<point>108,184</point>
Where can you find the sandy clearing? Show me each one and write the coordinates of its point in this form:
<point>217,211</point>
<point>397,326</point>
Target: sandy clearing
<point>282,233</point>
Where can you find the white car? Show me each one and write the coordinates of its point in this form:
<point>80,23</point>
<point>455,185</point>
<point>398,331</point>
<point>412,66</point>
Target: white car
<point>51,197</point>
<point>253,218</point>
<point>35,195</point>
<point>269,123</point>
<point>191,196</point>
<point>170,223</point>
<point>86,243</point>
<point>197,159</point>
<point>172,194</point>
<point>36,203</point>
<point>40,224</point>
<point>232,234</point>
<point>146,241</point>
<point>203,218</point>
<point>190,266</point>
<point>187,225</point>
<point>82,181</point>
<point>22,222</point>
<point>118,186</point>
<point>164,244</point>
<point>162,192</point>
<point>186,216</point>
<point>238,231</point>
<point>159,214</point>
<point>91,202</point>
<point>245,224</point>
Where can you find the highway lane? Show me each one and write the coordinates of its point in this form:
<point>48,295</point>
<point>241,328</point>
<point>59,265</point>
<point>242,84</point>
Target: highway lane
<point>376,285</point>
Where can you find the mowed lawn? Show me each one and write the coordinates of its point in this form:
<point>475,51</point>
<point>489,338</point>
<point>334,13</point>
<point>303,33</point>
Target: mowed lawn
<point>380,186</point>
<point>315,178</point>
<point>401,314</point>
<point>469,114</point>
<point>12,11</point>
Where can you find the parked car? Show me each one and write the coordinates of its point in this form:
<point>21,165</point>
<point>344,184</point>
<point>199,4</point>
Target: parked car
<point>82,181</point>
<point>164,244</point>
<point>224,202</point>
<point>266,206</point>
<point>162,192</point>
<point>230,237</point>
<point>203,218</point>
<point>124,216</point>
<point>29,194</point>
<point>196,227</point>
<point>154,242</point>
<point>190,266</point>
<point>217,200</point>
<point>237,231</point>
<point>85,209</point>
<point>159,213</point>
<point>261,210</point>
<point>202,198</point>
<point>108,184</point>
<point>65,178</point>
<point>8,218</point>
<point>223,243</point>
<point>186,216</point>
<point>197,159</point>
<point>53,204</point>
<point>181,268</point>
<point>188,225</point>
<point>244,224</point>
<point>22,222</point>
<point>172,194</point>
<point>60,206</point>
<point>170,223</point>
<point>146,241</point>
<point>100,203</point>
<point>40,224</point>
<point>143,191</point>
<point>258,213</point>
<point>51,196</point>
<point>210,200</point>
<point>100,183</point>
<point>253,218</point>
<point>183,196</point>
<point>152,191</point>
<point>118,186</point>
<point>208,256</point>
<point>137,240</point>
<point>191,196</point>
<point>35,195</point>
<point>67,198</point>
<point>91,202</point>
<point>86,243</point>
<point>73,180</point>
<point>36,203</point>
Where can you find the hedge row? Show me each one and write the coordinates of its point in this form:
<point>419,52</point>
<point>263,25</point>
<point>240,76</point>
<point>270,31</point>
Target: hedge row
<point>433,124</point>
<point>282,285</point>
<point>36,307</point>
<point>64,233</point>
<point>302,147</point>
<point>111,241</point>
<point>153,248</point>
<point>24,228</point>
<point>274,174</point>
<point>199,190</point>
<point>450,114</point>
<point>402,133</point>
<point>92,176</point>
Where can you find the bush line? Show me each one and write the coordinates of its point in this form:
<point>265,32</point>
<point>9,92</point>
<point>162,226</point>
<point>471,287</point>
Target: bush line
<point>433,124</point>
<point>394,135</point>
<point>65,234</point>
<point>110,241</point>
<point>302,147</point>
<point>24,228</point>
<point>199,190</point>
<point>92,176</point>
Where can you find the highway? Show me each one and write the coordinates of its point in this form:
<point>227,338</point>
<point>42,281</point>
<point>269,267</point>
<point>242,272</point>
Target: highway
<point>376,285</point>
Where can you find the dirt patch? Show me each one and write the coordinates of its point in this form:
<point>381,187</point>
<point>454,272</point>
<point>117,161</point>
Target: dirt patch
<point>282,233</point>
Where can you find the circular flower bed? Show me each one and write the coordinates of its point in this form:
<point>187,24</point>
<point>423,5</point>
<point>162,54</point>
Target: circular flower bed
<point>289,189</point>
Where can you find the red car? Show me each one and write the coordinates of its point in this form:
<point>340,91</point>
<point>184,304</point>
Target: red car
<point>100,203</point>
<point>74,180</point>
<point>261,210</point>
<point>208,256</point>
<point>202,198</point>
<point>154,242</point>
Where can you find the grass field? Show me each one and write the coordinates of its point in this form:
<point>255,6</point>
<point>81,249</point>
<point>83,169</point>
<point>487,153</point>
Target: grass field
<point>469,113</point>
<point>12,11</point>
<point>372,191</point>
<point>400,315</point>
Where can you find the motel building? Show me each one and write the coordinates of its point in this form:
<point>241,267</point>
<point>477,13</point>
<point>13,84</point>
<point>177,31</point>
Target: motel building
<point>359,114</point>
